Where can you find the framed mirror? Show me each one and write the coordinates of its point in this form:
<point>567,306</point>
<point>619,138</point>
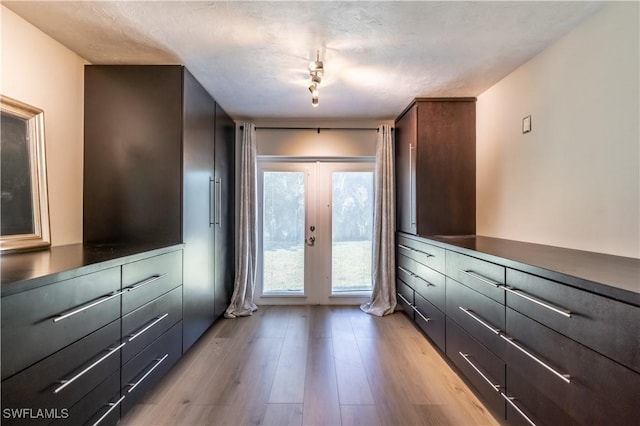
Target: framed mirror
<point>24,207</point>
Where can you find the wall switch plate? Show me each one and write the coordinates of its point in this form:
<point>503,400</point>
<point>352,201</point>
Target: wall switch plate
<point>526,124</point>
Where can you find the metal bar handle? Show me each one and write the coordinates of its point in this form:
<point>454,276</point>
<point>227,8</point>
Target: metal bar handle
<point>405,300</point>
<point>411,189</point>
<point>486,379</point>
<point>112,406</point>
<point>154,322</point>
<point>527,296</point>
<point>211,201</point>
<point>564,377</point>
<point>218,191</point>
<point>475,317</point>
<point>406,271</point>
<point>67,382</point>
<point>90,305</point>
<point>144,282</point>
<point>420,313</point>
<point>158,362</point>
<point>482,278</point>
<point>406,247</point>
<point>510,399</point>
<point>428,284</point>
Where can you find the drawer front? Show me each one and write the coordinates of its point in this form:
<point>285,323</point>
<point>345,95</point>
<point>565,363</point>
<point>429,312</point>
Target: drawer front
<point>605,325</point>
<point>480,366</point>
<point>430,320</point>
<point>145,370</point>
<point>479,315</point>
<point>83,365</point>
<point>426,254</point>
<point>39,322</point>
<point>147,323</point>
<point>99,406</point>
<point>484,277</point>
<point>405,267</point>
<point>600,391</point>
<point>405,298</point>
<point>430,285</point>
<point>144,280</point>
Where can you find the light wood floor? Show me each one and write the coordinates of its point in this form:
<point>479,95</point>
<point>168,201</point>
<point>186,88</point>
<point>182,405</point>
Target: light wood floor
<point>311,365</point>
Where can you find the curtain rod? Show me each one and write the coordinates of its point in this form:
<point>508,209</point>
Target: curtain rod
<point>318,129</point>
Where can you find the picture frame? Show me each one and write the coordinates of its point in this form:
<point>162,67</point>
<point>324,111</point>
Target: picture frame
<point>24,204</point>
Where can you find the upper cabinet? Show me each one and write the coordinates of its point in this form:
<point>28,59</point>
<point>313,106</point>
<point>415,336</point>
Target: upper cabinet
<point>436,167</point>
<point>159,169</point>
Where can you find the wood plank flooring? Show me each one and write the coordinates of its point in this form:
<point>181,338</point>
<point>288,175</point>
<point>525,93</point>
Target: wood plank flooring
<point>311,365</point>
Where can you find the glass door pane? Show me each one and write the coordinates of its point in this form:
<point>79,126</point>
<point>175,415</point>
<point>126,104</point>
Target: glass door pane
<point>351,231</point>
<point>283,232</point>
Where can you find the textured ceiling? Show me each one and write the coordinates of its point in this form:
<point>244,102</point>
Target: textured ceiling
<point>253,56</point>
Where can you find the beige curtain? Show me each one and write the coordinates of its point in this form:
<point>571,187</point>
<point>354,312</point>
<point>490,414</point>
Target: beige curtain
<point>383,296</point>
<point>242,300</point>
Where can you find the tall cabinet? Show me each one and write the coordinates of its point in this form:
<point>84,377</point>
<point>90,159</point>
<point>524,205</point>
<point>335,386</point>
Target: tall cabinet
<point>435,167</point>
<point>159,167</point>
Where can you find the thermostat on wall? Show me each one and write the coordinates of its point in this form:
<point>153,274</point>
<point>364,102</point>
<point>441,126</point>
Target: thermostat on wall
<point>526,124</point>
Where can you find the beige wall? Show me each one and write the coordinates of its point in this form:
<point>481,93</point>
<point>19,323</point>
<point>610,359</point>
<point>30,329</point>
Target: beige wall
<point>41,72</point>
<point>574,180</point>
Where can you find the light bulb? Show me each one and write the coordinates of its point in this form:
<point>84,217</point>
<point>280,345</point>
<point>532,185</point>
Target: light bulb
<point>314,90</point>
<point>314,101</point>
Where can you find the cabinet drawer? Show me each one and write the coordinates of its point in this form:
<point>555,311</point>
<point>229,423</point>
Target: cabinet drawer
<point>605,325</point>
<point>480,366</point>
<point>430,285</point>
<point>426,254</point>
<point>598,391</point>
<point>484,277</point>
<point>146,279</point>
<point>405,269</point>
<point>479,315</point>
<point>430,320</point>
<point>39,322</point>
<point>147,323</point>
<point>99,407</point>
<point>83,365</point>
<point>145,370</point>
<point>405,297</point>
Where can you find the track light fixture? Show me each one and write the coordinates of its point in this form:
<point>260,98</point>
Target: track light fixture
<point>316,72</point>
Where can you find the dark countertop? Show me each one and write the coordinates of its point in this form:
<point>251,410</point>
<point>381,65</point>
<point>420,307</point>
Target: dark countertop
<point>612,276</point>
<point>24,271</point>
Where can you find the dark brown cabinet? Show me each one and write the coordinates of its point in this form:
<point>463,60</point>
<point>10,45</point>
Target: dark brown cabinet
<point>435,167</point>
<point>159,169</point>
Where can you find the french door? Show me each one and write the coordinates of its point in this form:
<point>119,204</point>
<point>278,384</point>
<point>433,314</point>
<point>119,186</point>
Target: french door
<point>315,232</point>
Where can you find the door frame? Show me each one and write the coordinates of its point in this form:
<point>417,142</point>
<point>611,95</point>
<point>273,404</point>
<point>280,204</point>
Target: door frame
<point>317,288</point>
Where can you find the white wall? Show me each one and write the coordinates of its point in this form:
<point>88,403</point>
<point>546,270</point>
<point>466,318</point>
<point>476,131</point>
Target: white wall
<point>574,180</point>
<point>41,72</point>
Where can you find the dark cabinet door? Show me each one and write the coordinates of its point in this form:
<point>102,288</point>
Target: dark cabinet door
<point>132,149</point>
<point>224,210</point>
<point>405,138</point>
<point>198,226</point>
<point>446,165</point>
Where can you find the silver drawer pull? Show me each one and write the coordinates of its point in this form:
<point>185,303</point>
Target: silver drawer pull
<point>406,271</point>
<point>83,308</point>
<point>420,313</point>
<point>482,278</point>
<point>158,362</point>
<point>67,382</point>
<point>112,406</point>
<point>486,379</point>
<point>428,284</point>
<point>139,333</point>
<point>145,282</point>
<point>564,377</point>
<point>415,250</point>
<point>405,300</point>
<point>510,399</point>
<point>475,317</point>
<point>520,293</point>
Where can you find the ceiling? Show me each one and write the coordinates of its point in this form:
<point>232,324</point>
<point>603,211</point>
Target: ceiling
<point>253,56</point>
